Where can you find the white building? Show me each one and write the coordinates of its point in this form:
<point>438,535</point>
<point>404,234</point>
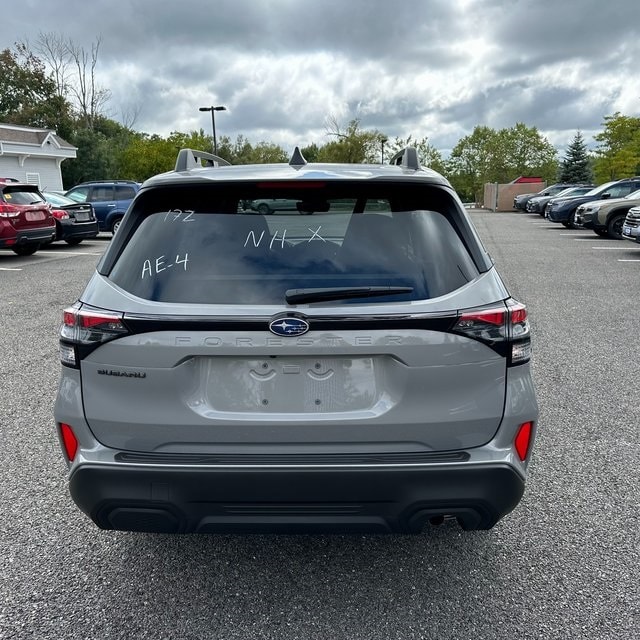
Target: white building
<point>33,155</point>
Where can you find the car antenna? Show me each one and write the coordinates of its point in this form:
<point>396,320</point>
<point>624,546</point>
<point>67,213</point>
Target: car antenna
<point>297,159</point>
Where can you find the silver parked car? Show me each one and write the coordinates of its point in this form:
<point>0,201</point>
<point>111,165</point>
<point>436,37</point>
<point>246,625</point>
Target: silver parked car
<point>356,366</point>
<point>631,226</point>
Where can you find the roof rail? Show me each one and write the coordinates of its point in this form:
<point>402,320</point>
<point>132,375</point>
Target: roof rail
<point>124,181</point>
<point>297,159</point>
<point>190,159</point>
<point>407,158</point>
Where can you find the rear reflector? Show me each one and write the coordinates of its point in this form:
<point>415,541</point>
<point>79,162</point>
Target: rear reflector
<point>522,440</point>
<point>520,352</point>
<point>69,441</point>
<point>68,354</point>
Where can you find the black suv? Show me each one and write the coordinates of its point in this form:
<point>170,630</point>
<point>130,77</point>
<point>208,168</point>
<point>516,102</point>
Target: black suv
<point>110,200</point>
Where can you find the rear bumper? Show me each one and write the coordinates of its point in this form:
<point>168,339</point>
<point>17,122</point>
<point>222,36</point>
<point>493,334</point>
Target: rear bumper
<point>631,233</point>
<point>70,230</point>
<point>383,499</point>
<point>28,236</point>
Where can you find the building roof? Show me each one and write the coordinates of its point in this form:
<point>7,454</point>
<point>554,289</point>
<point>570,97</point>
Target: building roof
<point>18,134</point>
<point>527,180</point>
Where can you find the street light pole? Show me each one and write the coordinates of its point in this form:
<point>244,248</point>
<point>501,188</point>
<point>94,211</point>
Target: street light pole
<point>213,123</point>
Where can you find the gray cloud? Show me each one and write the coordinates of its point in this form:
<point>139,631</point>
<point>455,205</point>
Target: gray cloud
<point>281,67</point>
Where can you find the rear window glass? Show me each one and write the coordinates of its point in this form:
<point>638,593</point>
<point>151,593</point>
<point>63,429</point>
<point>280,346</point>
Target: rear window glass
<point>226,246</point>
<point>22,195</point>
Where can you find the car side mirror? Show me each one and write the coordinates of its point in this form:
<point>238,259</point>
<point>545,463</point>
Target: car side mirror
<point>604,196</point>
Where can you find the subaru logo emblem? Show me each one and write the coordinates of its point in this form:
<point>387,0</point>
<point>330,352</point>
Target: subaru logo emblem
<point>289,326</point>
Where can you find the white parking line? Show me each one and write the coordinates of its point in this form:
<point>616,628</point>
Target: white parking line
<point>70,253</point>
<point>628,260</point>
<point>9,269</point>
<point>611,248</point>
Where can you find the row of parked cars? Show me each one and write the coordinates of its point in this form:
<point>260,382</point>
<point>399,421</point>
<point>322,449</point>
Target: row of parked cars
<point>610,210</point>
<point>31,218</point>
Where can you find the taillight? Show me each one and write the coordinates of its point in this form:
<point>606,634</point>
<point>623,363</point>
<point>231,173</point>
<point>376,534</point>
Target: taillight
<point>8,210</point>
<point>487,325</point>
<point>522,442</point>
<point>505,328</point>
<point>84,328</point>
<point>519,332</point>
<point>69,441</point>
<point>59,214</point>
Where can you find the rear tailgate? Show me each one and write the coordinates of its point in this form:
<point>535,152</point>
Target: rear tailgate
<point>390,389</point>
<point>37,216</point>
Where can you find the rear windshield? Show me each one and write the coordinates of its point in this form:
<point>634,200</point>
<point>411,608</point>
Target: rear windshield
<point>22,195</point>
<point>232,245</point>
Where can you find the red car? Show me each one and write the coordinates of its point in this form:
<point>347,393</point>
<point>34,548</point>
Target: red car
<point>26,221</point>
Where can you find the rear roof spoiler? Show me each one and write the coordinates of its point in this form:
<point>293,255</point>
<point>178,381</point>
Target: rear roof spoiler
<point>191,159</point>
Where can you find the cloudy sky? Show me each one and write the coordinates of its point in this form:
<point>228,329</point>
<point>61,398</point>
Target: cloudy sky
<point>434,68</point>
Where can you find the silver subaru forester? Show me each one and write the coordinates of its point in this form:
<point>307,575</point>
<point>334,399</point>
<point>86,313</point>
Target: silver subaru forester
<point>351,363</point>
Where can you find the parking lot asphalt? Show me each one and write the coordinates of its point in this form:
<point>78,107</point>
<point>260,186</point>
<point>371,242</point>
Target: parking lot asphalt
<point>563,565</point>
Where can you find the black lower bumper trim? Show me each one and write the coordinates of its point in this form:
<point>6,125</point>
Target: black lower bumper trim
<point>292,500</point>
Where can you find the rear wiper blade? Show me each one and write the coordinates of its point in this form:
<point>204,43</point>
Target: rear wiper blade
<point>294,296</point>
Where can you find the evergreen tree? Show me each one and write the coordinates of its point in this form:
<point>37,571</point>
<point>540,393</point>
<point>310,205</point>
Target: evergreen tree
<point>576,166</point>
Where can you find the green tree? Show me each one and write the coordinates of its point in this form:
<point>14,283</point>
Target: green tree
<point>28,94</point>
<point>145,156</point>
<point>526,152</point>
<point>470,164</point>
<point>353,145</point>
<point>243,152</point>
<point>311,152</point>
<point>429,156</point>
<point>487,155</point>
<point>100,149</point>
<point>266,152</point>
<point>94,159</point>
<point>576,165</point>
<point>618,153</point>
